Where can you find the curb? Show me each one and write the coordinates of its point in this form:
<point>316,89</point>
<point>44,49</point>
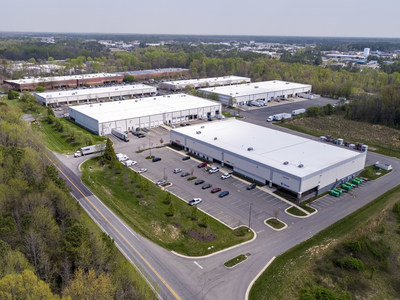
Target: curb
<point>246,297</point>
<point>276,229</point>
<point>292,215</point>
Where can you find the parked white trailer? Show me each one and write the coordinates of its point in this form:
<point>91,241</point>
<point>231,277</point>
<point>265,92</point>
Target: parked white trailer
<point>120,134</point>
<point>298,111</point>
<point>279,117</point>
<point>121,157</point>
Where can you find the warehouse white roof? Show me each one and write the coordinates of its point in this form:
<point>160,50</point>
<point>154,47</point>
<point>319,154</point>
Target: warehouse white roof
<point>269,147</point>
<point>255,88</point>
<point>135,88</point>
<point>211,81</point>
<point>128,109</point>
<point>61,78</point>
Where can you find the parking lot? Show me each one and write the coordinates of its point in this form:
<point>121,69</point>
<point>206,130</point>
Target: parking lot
<point>233,209</point>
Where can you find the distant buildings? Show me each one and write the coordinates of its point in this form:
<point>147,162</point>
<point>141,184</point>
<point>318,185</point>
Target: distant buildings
<point>72,81</point>
<point>264,91</point>
<point>203,82</point>
<point>119,92</point>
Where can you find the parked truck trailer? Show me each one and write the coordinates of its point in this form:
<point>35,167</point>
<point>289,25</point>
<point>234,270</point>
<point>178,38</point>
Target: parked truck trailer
<point>120,134</point>
<point>90,149</point>
<point>298,111</point>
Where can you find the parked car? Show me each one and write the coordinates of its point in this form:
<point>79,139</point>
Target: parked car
<point>182,125</point>
<point>142,170</point>
<point>156,159</point>
<point>215,190</point>
<point>226,175</point>
<point>202,165</point>
<point>199,181</point>
<point>186,158</point>
<point>206,186</point>
<point>176,171</point>
<point>160,182</point>
<point>195,201</point>
<point>223,194</point>
<point>251,186</point>
<point>213,170</point>
<point>184,174</point>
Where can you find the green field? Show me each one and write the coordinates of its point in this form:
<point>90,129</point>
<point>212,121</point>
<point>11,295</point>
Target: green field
<point>60,141</point>
<point>380,139</point>
<point>157,214</point>
<point>355,258</point>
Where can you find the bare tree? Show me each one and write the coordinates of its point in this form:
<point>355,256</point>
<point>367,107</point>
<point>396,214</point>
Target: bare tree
<point>276,213</point>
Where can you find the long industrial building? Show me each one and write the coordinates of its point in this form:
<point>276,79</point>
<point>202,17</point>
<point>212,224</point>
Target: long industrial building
<point>265,91</point>
<point>301,166</point>
<point>117,92</point>
<point>203,82</point>
<point>73,81</point>
<point>126,115</point>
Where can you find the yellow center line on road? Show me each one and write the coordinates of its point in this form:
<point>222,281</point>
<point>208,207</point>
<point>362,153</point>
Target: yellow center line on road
<point>137,252</point>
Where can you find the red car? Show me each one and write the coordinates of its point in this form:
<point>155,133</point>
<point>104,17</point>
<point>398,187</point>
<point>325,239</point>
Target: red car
<point>215,190</point>
<point>202,165</point>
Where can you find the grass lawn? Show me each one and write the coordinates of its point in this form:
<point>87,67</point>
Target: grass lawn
<point>379,138</point>
<point>234,261</point>
<point>370,172</point>
<point>299,268</point>
<point>275,223</point>
<point>157,214</point>
<point>227,114</point>
<point>59,142</point>
<point>296,212</point>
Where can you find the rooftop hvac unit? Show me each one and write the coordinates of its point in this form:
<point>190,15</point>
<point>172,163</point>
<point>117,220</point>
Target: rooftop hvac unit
<point>250,149</point>
<point>287,82</point>
<point>92,105</point>
<point>215,138</point>
<point>285,163</point>
<point>202,127</point>
<point>256,87</point>
<point>198,132</point>
<point>300,165</point>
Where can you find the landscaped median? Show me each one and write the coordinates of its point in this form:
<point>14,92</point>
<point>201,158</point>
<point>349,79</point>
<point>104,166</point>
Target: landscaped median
<point>275,224</point>
<point>157,214</point>
<point>235,261</point>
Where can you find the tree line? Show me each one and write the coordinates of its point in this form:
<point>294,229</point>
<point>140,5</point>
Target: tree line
<point>49,247</point>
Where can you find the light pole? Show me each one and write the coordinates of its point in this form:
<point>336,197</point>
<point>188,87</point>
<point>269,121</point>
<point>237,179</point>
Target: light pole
<point>251,204</point>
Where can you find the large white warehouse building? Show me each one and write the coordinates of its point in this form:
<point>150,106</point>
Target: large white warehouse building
<point>265,91</point>
<point>179,85</point>
<point>126,115</point>
<point>299,165</point>
<point>95,94</point>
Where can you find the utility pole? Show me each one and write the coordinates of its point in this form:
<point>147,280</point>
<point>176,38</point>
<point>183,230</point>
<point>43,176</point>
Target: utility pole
<point>251,204</point>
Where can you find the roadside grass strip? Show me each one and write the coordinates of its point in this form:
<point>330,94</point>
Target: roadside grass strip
<point>157,214</point>
<point>235,261</point>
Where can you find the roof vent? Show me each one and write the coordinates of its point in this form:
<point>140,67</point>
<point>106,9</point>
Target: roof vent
<point>256,87</point>
<point>198,132</point>
<point>215,138</point>
<point>300,165</point>
<point>250,149</point>
<point>287,82</point>
<point>202,127</point>
<point>92,105</point>
<point>285,163</point>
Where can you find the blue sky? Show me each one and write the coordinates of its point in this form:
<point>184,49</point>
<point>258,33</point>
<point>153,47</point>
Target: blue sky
<point>348,18</point>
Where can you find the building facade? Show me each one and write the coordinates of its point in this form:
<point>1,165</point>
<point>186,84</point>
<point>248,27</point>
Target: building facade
<point>129,115</point>
<point>262,91</point>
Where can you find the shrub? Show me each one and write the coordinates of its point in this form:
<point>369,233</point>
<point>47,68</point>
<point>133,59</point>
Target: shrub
<point>350,263</point>
<point>12,95</point>
<point>40,89</point>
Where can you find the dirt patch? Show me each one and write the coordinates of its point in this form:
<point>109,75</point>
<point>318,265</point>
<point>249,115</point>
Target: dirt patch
<point>142,202</point>
<point>201,237</point>
<point>173,232</point>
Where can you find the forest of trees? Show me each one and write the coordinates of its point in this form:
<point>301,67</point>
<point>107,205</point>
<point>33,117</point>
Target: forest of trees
<point>49,247</point>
